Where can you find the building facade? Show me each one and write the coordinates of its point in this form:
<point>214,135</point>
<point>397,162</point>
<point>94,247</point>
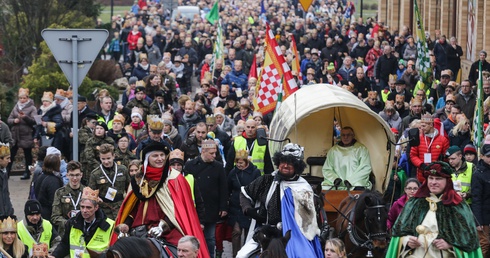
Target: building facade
<point>464,19</point>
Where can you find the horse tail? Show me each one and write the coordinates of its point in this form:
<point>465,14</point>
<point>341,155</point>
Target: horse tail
<point>276,249</point>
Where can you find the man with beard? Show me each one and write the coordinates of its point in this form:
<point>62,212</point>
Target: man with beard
<point>190,118</point>
<point>466,99</point>
<point>211,179</point>
<point>37,230</point>
<point>415,113</point>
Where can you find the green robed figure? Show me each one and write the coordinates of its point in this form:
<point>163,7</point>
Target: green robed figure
<point>436,222</point>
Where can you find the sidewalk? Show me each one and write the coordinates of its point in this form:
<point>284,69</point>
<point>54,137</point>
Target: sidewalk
<point>19,191</point>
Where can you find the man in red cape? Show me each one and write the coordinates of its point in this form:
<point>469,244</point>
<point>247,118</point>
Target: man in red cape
<point>160,202</point>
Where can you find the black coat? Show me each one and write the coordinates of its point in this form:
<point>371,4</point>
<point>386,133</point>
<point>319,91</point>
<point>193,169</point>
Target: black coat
<point>45,187</point>
<point>236,179</point>
<point>385,66</point>
<point>212,182</point>
<point>480,192</point>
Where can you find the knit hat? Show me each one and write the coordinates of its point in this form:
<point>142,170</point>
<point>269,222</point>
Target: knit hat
<point>402,62</point>
<point>32,207</point>
<point>102,124</point>
<point>133,80</point>
<point>82,98</point>
<point>53,151</point>
<point>469,148</point>
<point>136,111</point>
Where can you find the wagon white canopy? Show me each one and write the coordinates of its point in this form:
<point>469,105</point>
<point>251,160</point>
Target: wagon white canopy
<point>307,118</point>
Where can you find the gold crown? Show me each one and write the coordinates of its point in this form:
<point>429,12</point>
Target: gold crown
<point>219,110</point>
<point>427,118</point>
<point>4,149</point>
<point>176,154</point>
<point>392,78</point>
<point>154,122</point>
<point>8,225</point>
<point>23,92</point>
<point>210,119</point>
<point>40,250</point>
<point>372,94</point>
<point>90,194</point>
<point>140,83</point>
<point>208,144</point>
<point>241,154</point>
<point>416,101</point>
<point>61,92</point>
<point>47,96</point>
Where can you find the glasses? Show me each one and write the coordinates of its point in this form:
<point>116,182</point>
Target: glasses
<point>210,125</point>
<point>74,176</point>
<point>411,188</point>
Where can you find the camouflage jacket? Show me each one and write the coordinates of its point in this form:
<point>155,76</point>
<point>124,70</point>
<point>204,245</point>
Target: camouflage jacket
<point>123,158</point>
<point>63,201</point>
<point>91,154</point>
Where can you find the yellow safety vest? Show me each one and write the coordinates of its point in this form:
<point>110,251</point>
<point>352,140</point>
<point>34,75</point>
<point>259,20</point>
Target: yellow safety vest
<point>465,179</point>
<point>258,152</point>
<point>190,179</point>
<point>27,238</point>
<point>99,242</point>
<point>109,124</point>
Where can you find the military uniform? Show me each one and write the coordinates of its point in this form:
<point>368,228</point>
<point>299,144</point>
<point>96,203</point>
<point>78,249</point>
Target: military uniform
<point>123,158</point>
<point>142,104</point>
<point>84,134</point>
<point>112,187</point>
<point>91,155</point>
<point>65,206</point>
<point>156,108</point>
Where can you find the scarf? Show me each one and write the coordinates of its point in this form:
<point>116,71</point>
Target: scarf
<point>153,174</point>
<point>20,106</point>
<point>144,67</point>
<point>46,109</point>
<point>64,103</point>
<point>137,126</point>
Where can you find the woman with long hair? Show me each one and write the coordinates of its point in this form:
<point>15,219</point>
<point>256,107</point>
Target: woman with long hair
<point>460,135</point>
<point>335,248</point>
<point>10,242</point>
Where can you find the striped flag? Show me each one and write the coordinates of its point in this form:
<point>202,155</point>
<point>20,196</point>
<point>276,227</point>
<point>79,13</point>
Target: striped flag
<point>269,81</point>
<point>279,94</point>
<point>218,46</point>
<point>423,60</point>
<point>478,117</point>
<point>295,66</point>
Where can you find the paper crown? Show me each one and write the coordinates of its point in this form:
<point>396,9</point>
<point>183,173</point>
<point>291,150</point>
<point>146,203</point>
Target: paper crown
<point>372,94</point>
<point>392,78</point>
<point>154,122</point>
<point>47,96</point>
<point>90,194</point>
<point>40,250</point>
<point>140,83</point>
<point>219,110</point>
<point>241,154</point>
<point>210,119</point>
<point>69,93</point>
<point>427,118</point>
<point>416,101</point>
<point>8,225</point>
<point>23,92</point>
<point>176,154</point>
<point>208,144</point>
<point>4,149</point>
<point>119,118</point>
<point>60,93</point>
<point>137,110</point>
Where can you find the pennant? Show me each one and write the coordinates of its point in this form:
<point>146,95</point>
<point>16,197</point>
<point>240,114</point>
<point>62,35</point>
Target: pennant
<point>295,66</point>
<point>253,69</point>
<point>213,15</point>
<point>478,135</point>
<point>269,81</point>
<point>305,4</point>
<point>423,59</point>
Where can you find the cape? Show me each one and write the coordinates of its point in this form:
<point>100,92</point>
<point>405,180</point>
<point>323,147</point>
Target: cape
<point>396,246</point>
<point>175,199</point>
<point>450,230</point>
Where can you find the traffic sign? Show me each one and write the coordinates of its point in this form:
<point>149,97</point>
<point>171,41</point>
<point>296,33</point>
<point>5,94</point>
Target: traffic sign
<point>79,46</point>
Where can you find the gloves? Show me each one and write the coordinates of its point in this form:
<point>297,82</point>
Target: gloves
<point>254,214</point>
<point>158,230</point>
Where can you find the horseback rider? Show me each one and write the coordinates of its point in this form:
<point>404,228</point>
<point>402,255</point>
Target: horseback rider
<point>274,200</point>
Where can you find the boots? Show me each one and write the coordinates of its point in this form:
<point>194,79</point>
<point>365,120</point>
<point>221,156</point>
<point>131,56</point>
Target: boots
<point>27,175</point>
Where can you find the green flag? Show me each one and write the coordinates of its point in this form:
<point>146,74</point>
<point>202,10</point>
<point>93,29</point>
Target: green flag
<point>478,117</point>
<point>279,95</point>
<point>423,59</point>
<point>213,15</point>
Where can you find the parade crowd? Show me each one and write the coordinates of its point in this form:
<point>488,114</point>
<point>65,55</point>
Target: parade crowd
<point>185,165</point>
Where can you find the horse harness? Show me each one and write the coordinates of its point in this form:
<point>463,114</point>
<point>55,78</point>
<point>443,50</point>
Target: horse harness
<point>362,240</point>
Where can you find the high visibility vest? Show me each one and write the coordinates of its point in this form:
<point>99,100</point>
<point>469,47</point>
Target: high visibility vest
<point>465,179</point>
<point>190,179</point>
<point>258,152</point>
<point>99,242</point>
<point>27,238</point>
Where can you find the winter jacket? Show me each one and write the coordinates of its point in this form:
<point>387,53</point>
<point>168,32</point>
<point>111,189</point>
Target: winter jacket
<point>467,104</point>
<point>395,210</point>
<point>393,121</point>
<point>410,52</point>
<point>385,66</point>
<point>480,192</point>
<point>236,179</point>
<point>45,187</point>
<point>437,149</point>
<point>22,132</point>
<point>51,115</point>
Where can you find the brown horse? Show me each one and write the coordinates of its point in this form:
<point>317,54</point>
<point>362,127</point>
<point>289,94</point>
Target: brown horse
<point>135,247</point>
<point>361,224</point>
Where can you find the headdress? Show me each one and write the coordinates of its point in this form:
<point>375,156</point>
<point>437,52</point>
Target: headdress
<point>155,123</point>
<point>4,150</point>
<point>210,119</point>
<point>47,96</point>
<point>90,194</point>
<point>8,225</point>
<point>208,144</point>
<point>176,156</point>
<point>241,154</point>
<point>427,118</point>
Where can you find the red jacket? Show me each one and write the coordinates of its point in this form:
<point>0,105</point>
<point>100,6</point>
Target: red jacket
<point>439,146</point>
<point>133,39</point>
